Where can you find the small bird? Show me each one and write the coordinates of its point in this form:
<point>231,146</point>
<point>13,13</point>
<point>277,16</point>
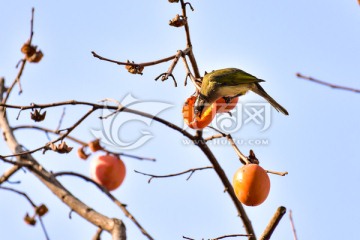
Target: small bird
<point>229,83</point>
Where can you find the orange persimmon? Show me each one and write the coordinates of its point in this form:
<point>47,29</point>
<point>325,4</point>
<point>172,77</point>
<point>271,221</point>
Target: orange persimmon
<point>108,171</point>
<point>251,184</point>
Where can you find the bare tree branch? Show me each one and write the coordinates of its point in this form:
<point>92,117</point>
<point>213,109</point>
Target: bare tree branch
<point>242,157</point>
<point>83,143</point>
<point>98,234</point>
<point>20,193</point>
<point>107,193</point>
<point>61,138</point>
<point>198,140</point>
<point>32,204</point>
<point>6,175</point>
<point>115,227</point>
<point>43,228</point>
<point>299,75</point>
<point>145,64</point>
<point>273,223</point>
<point>191,171</point>
<point>188,41</point>
<point>22,62</point>
<point>292,225</point>
<point>277,173</point>
<point>231,236</point>
<point>228,187</point>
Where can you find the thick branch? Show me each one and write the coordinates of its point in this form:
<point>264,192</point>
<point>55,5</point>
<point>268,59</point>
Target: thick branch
<point>62,193</point>
<point>188,41</point>
<point>97,234</point>
<point>228,187</point>
<point>273,223</point>
<point>107,193</point>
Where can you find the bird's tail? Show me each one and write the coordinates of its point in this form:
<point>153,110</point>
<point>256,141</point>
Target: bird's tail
<point>260,91</point>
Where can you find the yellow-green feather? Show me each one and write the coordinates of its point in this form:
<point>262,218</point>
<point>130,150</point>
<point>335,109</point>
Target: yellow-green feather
<point>231,77</point>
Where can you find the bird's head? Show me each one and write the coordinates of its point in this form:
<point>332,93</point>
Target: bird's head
<point>200,105</point>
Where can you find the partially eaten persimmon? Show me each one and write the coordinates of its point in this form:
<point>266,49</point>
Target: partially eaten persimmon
<point>223,107</point>
<point>194,121</point>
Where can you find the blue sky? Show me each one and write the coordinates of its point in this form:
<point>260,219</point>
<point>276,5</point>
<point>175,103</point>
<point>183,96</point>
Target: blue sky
<point>273,40</point>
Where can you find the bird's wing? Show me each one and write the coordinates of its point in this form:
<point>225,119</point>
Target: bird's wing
<point>232,77</point>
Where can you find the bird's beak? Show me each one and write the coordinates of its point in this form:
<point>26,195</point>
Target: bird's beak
<point>198,107</point>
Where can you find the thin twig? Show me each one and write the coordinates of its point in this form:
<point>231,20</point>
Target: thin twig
<point>242,157</point>
<point>133,64</point>
<point>20,193</point>
<point>191,171</point>
<point>48,130</point>
<point>172,66</point>
<point>166,75</point>
<point>196,83</point>
<point>43,228</point>
<point>97,234</point>
<point>32,25</point>
<point>15,163</point>
<point>60,138</point>
<point>32,204</point>
<point>6,175</point>
<point>216,136</point>
<point>231,236</point>
<point>61,119</point>
<point>134,156</point>
<point>22,62</point>
<point>277,173</point>
<point>107,193</point>
<point>273,223</point>
<point>188,238</point>
<point>292,225</point>
<point>299,75</point>
<point>83,143</point>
